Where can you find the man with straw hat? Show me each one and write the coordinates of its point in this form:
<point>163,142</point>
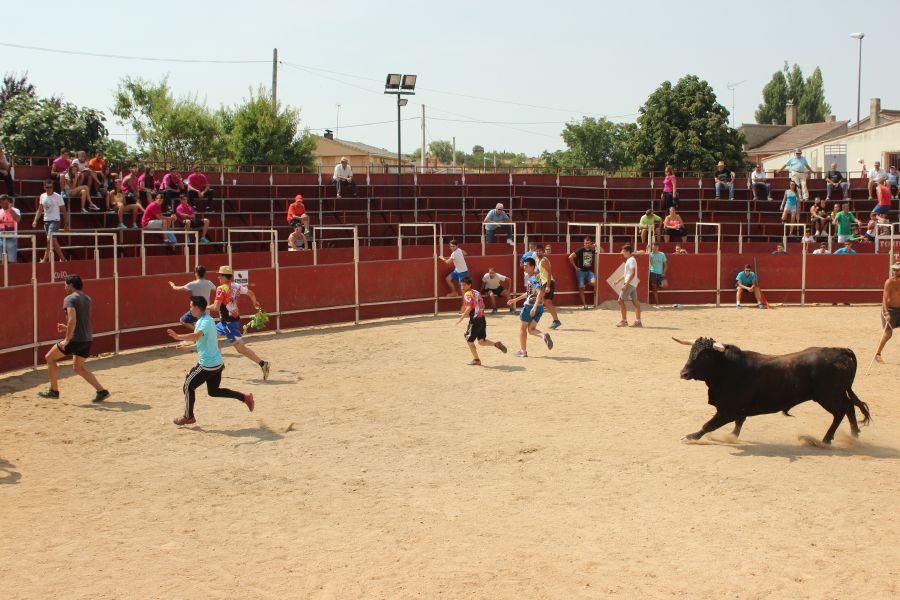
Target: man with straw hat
<point>890,308</point>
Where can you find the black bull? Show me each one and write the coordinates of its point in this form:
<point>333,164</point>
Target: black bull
<point>743,384</point>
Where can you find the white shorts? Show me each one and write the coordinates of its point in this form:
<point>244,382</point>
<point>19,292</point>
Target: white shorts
<point>154,224</point>
<point>843,238</point>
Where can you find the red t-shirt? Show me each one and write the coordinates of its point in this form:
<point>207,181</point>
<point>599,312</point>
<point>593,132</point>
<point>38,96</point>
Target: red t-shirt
<point>884,195</point>
<point>296,210</point>
<point>151,213</point>
<point>197,181</point>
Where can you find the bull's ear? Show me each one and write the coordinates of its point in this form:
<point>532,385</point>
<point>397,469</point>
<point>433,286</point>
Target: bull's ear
<point>684,343</point>
<point>719,347</point>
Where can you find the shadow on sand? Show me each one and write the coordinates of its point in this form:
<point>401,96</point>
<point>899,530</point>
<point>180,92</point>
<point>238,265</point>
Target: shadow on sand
<point>116,406</point>
<point>7,474</point>
<point>256,434</point>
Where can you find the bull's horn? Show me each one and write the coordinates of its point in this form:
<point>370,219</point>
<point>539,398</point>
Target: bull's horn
<point>684,343</point>
<point>719,347</point>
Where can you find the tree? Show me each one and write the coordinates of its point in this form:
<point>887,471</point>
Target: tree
<point>775,96</point>
<point>169,129</point>
<point>684,126</point>
<point>813,108</point>
<point>477,149</point>
<point>795,84</point>
<point>13,86</point>
<point>257,136</point>
<point>442,151</point>
<point>596,143</point>
<point>40,127</point>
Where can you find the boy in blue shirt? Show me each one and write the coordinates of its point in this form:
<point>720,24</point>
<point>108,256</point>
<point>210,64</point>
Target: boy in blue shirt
<point>209,366</point>
<point>847,248</point>
<point>746,280</point>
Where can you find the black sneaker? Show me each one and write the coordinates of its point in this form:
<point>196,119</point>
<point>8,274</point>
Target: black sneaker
<point>101,396</point>
<point>51,393</point>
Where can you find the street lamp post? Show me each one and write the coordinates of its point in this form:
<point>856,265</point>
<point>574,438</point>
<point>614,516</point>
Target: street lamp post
<point>400,85</point>
<point>858,36</point>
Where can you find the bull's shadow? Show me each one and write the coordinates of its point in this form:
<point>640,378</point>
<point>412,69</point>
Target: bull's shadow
<point>799,450</point>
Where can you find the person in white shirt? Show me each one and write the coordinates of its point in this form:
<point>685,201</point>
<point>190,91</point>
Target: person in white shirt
<point>52,208</point>
<point>876,176</point>
<point>457,260</point>
<point>86,175</point>
<point>343,177</point>
<point>9,228</point>
<point>629,288</point>
<point>494,285</point>
<point>822,249</point>
<point>762,190</point>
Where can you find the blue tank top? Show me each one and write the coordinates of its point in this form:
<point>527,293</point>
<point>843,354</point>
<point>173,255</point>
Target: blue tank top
<point>790,199</point>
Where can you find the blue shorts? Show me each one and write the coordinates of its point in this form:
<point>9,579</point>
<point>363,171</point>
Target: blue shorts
<point>657,279</point>
<point>525,315</point>
<point>881,209</point>
<point>585,277</point>
<point>187,318</point>
<point>231,330</point>
<point>457,275</point>
<point>51,226</point>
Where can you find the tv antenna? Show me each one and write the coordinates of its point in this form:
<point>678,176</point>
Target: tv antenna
<point>731,87</point>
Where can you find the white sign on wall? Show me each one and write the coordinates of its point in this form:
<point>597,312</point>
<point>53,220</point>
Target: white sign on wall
<point>242,277</point>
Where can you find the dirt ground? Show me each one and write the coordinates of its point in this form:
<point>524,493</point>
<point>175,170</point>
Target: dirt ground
<point>379,465</point>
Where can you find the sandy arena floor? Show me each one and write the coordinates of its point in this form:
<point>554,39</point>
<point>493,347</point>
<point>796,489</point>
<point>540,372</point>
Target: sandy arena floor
<point>379,465</point>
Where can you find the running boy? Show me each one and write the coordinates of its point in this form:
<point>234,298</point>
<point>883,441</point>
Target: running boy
<point>457,260</point>
<point>473,307</point>
<point>629,288</point>
<point>545,274</point>
<point>209,366</point>
<point>226,302</point>
<point>200,286</point>
<point>890,308</point>
<point>532,309</point>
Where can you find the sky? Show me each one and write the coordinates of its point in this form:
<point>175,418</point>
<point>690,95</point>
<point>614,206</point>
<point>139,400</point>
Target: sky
<point>503,75</point>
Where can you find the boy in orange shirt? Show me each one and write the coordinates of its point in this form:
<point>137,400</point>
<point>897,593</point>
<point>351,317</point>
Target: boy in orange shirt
<point>299,220</point>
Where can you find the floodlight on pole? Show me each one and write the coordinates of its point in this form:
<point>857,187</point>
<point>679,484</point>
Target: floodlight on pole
<point>858,36</point>
<point>400,85</point>
<point>402,101</point>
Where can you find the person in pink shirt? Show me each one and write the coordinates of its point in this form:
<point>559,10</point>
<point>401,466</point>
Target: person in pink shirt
<point>670,190</point>
<point>154,219</point>
<point>883,192</point>
<point>198,189</point>
<point>9,228</point>
<point>184,213</point>
<point>60,167</point>
<point>147,184</point>
<point>171,186</point>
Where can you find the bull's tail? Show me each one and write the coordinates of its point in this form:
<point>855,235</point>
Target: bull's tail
<point>862,406</point>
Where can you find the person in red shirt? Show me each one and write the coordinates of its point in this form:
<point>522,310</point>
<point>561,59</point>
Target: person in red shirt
<point>96,165</point>
<point>198,189</point>
<point>299,220</point>
<point>154,219</point>
<point>59,168</point>
<point>473,307</point>
<point>883,192</point>
<point>184,214</point>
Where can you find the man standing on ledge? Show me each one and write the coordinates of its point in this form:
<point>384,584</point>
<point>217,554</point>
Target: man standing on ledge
<point>77,340</point>
<point>890,308</point>
<point>343,177</point>
<point>798,170</point>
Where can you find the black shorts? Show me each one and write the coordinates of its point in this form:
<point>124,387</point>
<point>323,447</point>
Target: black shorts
<point>656,280</point>
<point>82,349</point>
<point>497,292</point>
<point>477,329</point>
<point>893,317</point>
<point>550,289</point>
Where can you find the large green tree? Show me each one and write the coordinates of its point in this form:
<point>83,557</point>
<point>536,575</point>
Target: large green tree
<point>169,129</point>
<point>32,126</point>
<point>808,95</point>
<point>256,135</point>
<point>593,143</point>
<point>14,85</point>
<point>684,126</point>
<point>812,107</point>
<point>775,97</point>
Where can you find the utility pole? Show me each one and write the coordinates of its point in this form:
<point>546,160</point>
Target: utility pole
<point>453,160</point>
<point>423,135</point>
<point>731,87</point>
<point>274,81</point>
<point>337,128</point>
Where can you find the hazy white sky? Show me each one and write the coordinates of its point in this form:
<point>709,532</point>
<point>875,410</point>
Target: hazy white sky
<point>567,60</point>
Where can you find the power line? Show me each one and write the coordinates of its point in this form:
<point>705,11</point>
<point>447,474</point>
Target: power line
<point>364,124</point>
<point>125,57</point>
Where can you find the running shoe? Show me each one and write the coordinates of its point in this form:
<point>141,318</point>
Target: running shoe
<point>122,226</point>
<point>135,226</point>
<point>521,354</point>
<point>93,207</point>
<point>494,311</point>
<point>586,307</point>
<point>101,396</point>
<point>738,306</point>
<point>637,324</point>
<point>203,240</point>
<point>500,347</point>
<point>265,369</point>
<point>248,400</point>
<point>760,305</point>
<point>49,394</point>
<point>184,420</point>
<point>549,341</point>
<point>555,324</point>
<point>475,362</point>
<point>622,324</point>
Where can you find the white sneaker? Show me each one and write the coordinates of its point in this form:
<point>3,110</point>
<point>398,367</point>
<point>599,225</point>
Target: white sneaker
<point>510,242</point>
<point>738,305</point>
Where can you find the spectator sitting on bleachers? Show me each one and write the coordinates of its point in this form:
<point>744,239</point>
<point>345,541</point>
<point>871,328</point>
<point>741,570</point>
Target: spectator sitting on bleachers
<point>724,178</point>
<point>9,227</point>
<point>343,176</point>
<point>836,179</point>
<point>154,219</point>
<point>298,219</point>
<point>809,236</point>
<point>98,167</point>
<point>870,226</point>
<point>497,215</point>
<point>670,189</point>
<point>6,174</point>
<point>876,177</point>
<point>185,214</point>
<point>762,189</point>
<point>123,199</point>
<point>798,170</point>
<point>673,225</point>
<point>73,186</point>
<point>171,187</point>
<point>85,175</point>
<point>59,167</point>
<point>894,180</point>
<point>822,249</point>
<point>847,248</point>
<point>147,184</point>
<point>679,250</point>
<point>779,249</point>
<point>883,193</point>
<point>819,218</point>
<point>649,223</point>
<point>53,211</point>
<point>198,189</point>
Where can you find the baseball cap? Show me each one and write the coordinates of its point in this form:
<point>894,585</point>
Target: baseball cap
<point>298,197</point>
<point>225,270</point>
<point>798,151</point>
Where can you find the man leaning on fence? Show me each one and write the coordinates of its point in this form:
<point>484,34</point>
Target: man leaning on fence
<point>497,215</point>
